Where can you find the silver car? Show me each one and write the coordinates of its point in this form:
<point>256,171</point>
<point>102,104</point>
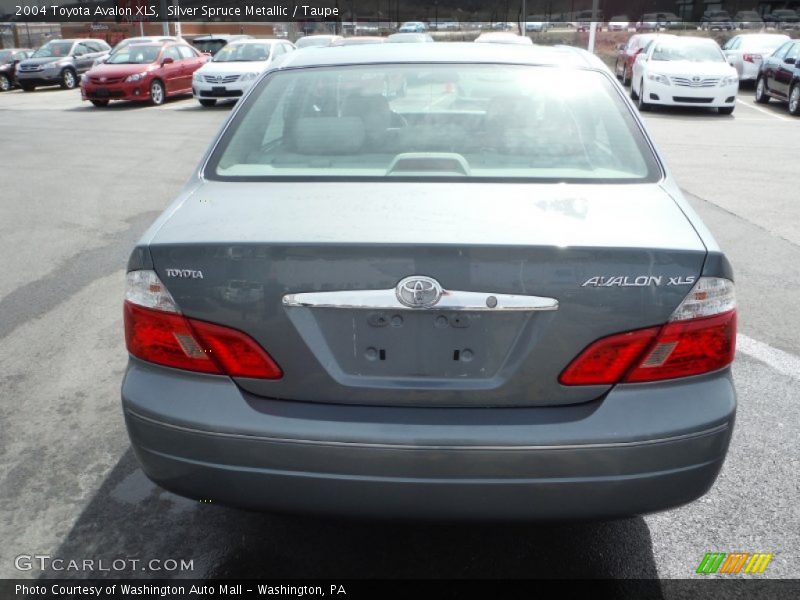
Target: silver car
<point>482,298</point>
<point>746,52</point>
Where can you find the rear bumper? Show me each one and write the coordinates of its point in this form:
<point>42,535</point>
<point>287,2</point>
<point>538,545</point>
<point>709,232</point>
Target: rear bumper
<point>750,71</point>
<point>642,448</point>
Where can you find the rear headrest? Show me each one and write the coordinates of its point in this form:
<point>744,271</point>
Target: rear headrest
<point>507,109</point>
<point>329,135</point>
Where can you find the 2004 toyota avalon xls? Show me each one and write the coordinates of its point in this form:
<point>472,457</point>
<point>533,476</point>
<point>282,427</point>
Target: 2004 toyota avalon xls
<point>433,280</point>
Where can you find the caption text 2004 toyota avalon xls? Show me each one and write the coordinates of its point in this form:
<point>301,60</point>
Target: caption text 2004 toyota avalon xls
<point>434,280</point>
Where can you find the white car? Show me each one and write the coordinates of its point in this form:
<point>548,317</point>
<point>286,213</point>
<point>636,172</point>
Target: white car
<point>503,37</point>
<point>234,69</point>
<point>684,71</point>
<point>619,23</point>
<point>746,52</point>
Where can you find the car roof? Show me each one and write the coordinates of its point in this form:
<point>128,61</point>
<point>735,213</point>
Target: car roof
<point>153,43</point>
<point>259,41</point>
<point>454,52</point>
<point>692,38</point>
<point>221,36</point>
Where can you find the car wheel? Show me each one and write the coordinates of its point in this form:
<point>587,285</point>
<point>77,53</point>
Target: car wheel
<point>642,105</point>
<point>726,110</point>
<point>207,102</point>
<point>157,94</point>
<point>626,75</point>
<point>100,103</point>
<point>5,83</point>
<point>68,79</point>
<point>761,91</point>
<point>794,100</point>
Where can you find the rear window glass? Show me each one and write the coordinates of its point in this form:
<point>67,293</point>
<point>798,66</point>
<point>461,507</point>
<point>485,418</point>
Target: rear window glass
<point>493,122</point>
<point>210,46</point>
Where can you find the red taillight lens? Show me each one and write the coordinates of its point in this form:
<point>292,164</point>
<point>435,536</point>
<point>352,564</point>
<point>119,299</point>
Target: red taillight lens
<point>605,361</point>
<point>685,348</point>
<point>751,58</point>
<point>238,353</point>
<point>172,340</point>
<point>678,349</point>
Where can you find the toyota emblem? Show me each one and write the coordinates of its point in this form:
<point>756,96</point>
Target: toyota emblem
<point>418,291</point>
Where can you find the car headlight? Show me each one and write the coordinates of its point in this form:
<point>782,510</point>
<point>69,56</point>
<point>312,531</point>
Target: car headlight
<point>50,66</point>
<point>198,76</point>
<point>249,76</point>
<point>135,77</point>
<point>730,80</point>
<point>658,78</point>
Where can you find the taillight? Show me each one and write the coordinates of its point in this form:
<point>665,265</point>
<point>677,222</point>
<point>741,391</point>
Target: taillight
<point>156,331</point>
<point>751,58</point>
<point>700,337</point>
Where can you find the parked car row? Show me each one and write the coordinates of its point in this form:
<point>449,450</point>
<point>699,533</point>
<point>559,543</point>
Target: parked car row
<point>664,69</point>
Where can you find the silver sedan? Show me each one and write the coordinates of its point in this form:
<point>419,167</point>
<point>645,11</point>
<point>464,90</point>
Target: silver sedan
<point>746,52</point>
<point>483,297</point>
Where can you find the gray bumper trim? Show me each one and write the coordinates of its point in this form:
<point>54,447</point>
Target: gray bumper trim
<point>460,447</point>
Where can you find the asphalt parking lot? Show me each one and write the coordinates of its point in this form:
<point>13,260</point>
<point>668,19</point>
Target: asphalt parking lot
<point>79,186</point>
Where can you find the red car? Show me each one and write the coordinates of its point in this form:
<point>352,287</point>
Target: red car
<point>627,53</point>
<point>145,72</point>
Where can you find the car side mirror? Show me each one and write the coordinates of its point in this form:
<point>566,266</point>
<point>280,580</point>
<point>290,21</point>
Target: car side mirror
<point>167,61</point>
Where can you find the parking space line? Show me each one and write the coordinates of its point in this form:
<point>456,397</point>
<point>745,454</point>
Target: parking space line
<point>783,362</point>
<point>761,110</point>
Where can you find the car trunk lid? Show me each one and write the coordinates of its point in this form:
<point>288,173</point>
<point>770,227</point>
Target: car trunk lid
<point>614,257</point>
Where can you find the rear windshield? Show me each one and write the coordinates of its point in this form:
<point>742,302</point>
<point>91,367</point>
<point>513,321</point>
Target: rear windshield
<point>210,46</point>
<point>422,122</point>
